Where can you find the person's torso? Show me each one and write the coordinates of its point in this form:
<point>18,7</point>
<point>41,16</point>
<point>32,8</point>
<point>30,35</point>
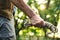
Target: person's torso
<point>6,9</point>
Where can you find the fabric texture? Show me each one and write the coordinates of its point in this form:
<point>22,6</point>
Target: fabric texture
<point>8,38</point>
<point>7,29</point>
<point>6,8</point>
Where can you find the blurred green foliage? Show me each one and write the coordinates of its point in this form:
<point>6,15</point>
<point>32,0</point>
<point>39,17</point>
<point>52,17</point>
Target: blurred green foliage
<point>49,11</point>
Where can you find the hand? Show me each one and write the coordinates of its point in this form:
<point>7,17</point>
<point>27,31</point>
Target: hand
<point>51,27</point>
<point>37,21</point>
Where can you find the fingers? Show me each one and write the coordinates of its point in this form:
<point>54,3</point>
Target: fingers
<point>51,27</point>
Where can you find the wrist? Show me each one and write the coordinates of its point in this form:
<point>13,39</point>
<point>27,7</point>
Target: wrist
<point>36,19</point>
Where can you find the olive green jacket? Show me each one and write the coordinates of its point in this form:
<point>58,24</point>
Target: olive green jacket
<point>6,9</point>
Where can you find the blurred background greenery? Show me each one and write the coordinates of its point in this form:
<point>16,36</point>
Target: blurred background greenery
<point>49,10</point>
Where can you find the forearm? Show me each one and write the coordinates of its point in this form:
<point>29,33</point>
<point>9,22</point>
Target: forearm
<point>25,8</point>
